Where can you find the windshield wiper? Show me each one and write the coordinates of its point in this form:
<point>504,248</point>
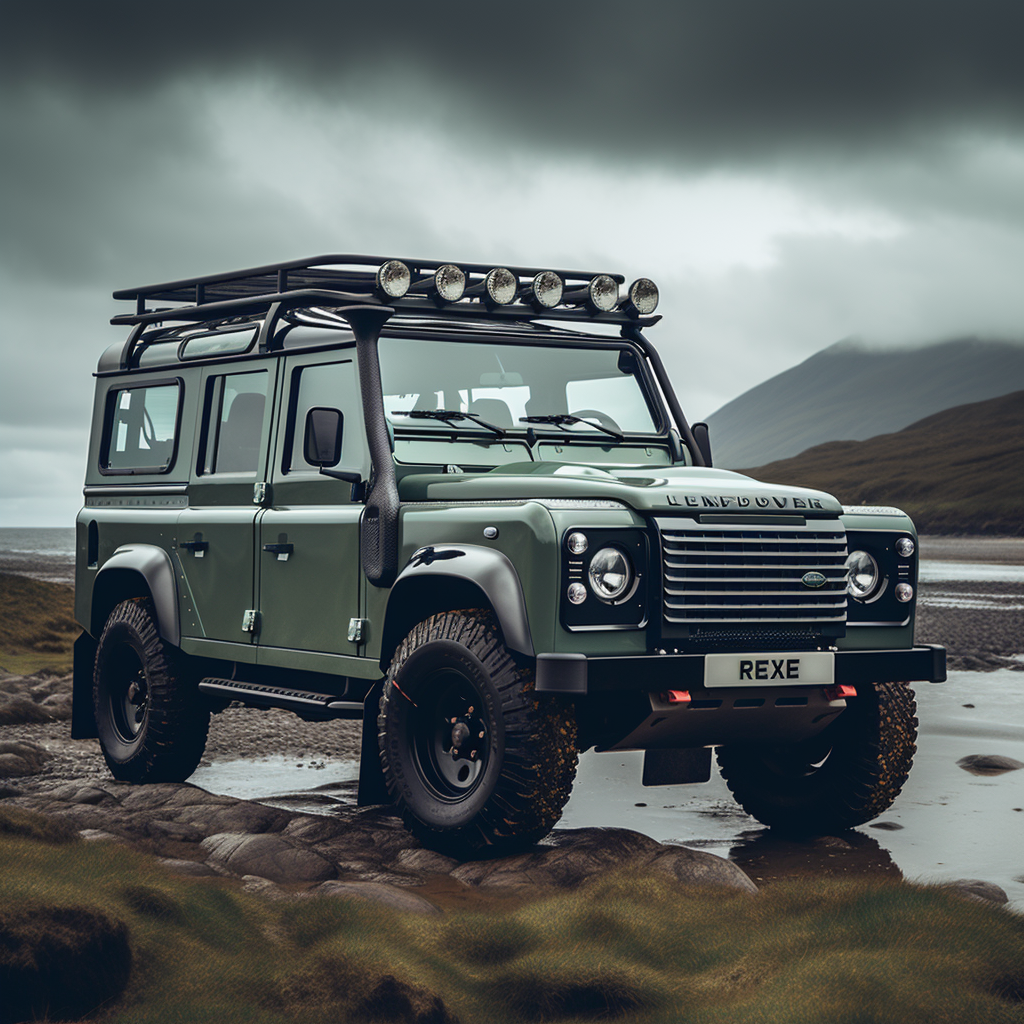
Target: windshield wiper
<point>448,416</point>
<point>564,420</point>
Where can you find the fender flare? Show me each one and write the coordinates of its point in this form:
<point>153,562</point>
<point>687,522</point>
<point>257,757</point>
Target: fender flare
<point>463,566</point>
<point>153,564</point>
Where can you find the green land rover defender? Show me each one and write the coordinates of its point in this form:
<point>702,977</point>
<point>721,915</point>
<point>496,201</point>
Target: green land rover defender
<point>462,505</point>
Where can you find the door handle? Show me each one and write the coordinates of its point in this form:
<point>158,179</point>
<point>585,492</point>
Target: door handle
<point>197,547</point>
<point>281,550</point>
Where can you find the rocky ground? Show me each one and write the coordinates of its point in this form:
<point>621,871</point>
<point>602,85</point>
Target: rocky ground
<point>361,852</point>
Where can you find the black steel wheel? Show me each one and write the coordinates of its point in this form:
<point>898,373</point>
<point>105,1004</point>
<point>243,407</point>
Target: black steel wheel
<point>845,776</point>
<point>151,722</point>
<point>478,763</point>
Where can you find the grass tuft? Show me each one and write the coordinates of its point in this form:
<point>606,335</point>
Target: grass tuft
<point>24,824</point>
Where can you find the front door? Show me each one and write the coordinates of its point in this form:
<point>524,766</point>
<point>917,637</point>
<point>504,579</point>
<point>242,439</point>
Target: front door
<point>309,575</point>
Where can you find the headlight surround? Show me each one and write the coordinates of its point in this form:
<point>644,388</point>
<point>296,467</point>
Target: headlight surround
<point>864,577</point>
<point>611,575</point>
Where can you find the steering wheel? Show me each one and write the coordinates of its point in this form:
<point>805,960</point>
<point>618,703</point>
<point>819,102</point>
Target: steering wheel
<point>602,417</point>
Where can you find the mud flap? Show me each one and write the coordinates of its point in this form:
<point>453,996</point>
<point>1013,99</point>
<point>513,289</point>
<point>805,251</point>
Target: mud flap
<point>372,787</point>
<point>83,718</point>
<point>674,767</point>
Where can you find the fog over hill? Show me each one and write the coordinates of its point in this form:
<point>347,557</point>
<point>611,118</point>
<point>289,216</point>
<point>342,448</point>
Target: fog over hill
<point>851,391</point>
<point>955,472</point>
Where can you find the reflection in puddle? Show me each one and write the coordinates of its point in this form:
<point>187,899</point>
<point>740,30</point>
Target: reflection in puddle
<point>769,857</point>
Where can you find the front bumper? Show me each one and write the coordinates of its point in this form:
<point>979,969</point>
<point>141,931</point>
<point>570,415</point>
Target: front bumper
<point>578,675</point>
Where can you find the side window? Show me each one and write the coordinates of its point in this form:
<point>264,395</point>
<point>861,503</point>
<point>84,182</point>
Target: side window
<point>141,429</point>
<point>233,423</point>
<point>326,385</point>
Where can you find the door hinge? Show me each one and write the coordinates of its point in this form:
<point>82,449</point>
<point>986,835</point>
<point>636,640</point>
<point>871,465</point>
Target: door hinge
<point>357,630</point>
<point>250,621</point>
<point>259,493</point>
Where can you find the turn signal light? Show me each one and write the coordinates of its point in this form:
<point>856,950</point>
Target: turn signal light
<point>840,692</point>
<point>676,696</point>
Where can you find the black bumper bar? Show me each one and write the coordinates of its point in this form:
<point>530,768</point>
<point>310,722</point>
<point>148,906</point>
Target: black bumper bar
<point>578,675</point>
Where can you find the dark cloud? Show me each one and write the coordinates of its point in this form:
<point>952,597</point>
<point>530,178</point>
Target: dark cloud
<point>706,80</point>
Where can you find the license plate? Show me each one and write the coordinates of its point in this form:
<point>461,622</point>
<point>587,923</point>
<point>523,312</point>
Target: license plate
<point>806,668</point>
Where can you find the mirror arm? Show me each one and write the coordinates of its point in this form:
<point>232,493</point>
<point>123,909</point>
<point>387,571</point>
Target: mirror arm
<point>358,491</point>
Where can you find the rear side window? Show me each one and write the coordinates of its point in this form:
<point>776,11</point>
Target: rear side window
<point>141,432</point>
<point>233,428</point>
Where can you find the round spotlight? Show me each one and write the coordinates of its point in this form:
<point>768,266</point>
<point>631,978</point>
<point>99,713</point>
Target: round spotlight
<point>603,293</point>
<point>449,283</point>
<point>904,592</point>
<point>576,542</point>
<point>577,593</point>
<point>501,285</point>
<point>547,289</point>
<point>904,547</point>
<point>611,575</point>
<point>394,278</point>
<point>864,578</point>
<point>643,296</point>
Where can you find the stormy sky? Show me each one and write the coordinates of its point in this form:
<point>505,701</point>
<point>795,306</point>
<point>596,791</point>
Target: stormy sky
<point>790,173</point>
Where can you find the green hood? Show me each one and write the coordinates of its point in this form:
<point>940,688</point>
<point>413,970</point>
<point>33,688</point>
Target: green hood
<point>664,489</point>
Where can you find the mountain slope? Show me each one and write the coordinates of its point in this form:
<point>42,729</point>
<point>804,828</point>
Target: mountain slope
<point>851,392</point>
<point>959,471</point>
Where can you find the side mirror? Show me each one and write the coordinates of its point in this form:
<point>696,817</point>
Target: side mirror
<point>323,437</point>
<point>700,435</point>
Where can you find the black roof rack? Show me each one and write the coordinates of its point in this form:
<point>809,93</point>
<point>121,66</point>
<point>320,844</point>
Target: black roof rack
<point>342,280</point>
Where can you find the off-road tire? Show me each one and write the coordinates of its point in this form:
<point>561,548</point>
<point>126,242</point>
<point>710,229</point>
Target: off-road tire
<point>847,775</point>
<point>455,665</point>
<point>158,732</point>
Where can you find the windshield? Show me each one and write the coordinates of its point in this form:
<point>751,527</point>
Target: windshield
<point>504,389</point>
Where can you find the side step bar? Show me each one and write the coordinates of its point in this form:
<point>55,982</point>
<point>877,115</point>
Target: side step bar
<point>307,703</point>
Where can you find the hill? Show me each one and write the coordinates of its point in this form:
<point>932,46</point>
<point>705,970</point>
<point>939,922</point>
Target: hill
<point>959,471</point>
<point>850,392</point>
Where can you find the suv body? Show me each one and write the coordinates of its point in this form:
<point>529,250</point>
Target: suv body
<point>463,506</point>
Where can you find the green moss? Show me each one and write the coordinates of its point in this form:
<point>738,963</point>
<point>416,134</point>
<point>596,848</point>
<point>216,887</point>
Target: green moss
<point>37,626</point>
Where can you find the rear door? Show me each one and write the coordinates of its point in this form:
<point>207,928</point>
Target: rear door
<point>216,534</point>
<point>309,575</point>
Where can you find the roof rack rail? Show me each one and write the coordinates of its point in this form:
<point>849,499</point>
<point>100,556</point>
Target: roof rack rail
<point>423,288</point>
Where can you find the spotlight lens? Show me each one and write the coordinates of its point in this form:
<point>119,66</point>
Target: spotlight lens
<point>604,293</point>
<point>501,286</point>
<point>904,592</point>
<point>393,279</point>
<point>577,593</point>
<point>610,574</point>
<point>450,282</point>
<point>547,289</point>
<point>905,547</point>
<point>864,577</point>
<point>576,543</point>
<point>643,295</point>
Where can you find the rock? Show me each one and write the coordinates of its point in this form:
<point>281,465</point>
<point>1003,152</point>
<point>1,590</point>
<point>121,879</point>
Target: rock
<point>886,826</point>
<point>191,868</point>
<point>18,710</point>
<point>377,892</point>
<point>96,835</point>
<point>264,887</point>
<point>976,889</point>
<point>831,843</point>
<point>427,861</point>
<point>58,705</point>
<point>61,963</point>
<point>394,1000</point>
<point>570,856</point>
<point>989,764</point>
<point>20,757</point>
<point>279,858</point>
<point>701,869</point>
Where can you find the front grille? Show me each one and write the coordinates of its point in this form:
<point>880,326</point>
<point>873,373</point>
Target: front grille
<point>729,577</point>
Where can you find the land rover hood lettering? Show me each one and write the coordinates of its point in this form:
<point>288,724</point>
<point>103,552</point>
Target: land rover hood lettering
<point>741,501</point>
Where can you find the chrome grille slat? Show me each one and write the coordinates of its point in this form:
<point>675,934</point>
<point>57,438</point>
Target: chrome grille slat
<point>727,576</point>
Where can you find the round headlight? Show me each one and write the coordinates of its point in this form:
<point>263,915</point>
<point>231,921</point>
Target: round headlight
<point>577,593</point>
<point>394,278</point>
<point>864,577</point>
<point>501,286</point>
<point>547,289</point>
<point>604,293</point>
<point>576,542</point>
<point>610,574</point>
<point>904,592</point>
<point>643,296</point>
<point>449,283</point>
<point>904,547</point>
